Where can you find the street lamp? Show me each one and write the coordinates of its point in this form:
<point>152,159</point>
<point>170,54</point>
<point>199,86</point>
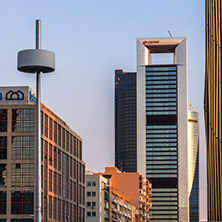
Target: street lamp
<point>37,61</point>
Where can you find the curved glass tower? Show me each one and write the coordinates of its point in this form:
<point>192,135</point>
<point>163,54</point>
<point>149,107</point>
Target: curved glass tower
<point>193,164</point>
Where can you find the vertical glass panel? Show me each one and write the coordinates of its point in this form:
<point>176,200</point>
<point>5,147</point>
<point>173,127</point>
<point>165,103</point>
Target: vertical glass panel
<point>3,175</point>
<point>3,147</point>
<point>3,120</point>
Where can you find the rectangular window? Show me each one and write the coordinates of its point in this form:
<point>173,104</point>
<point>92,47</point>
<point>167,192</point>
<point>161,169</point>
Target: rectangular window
<point>55,132</point>
<point>22,202</point>
<point>59,135</point>
<point>3,147</point>
<point>23,120</point>
<point>50,128</point>
<point>2,202</point>
<point>50,180</point>
<point>22,175</point>
<point>59,184</point>
<point>54,208</point>
<point>50,154</point>
<point>67,140</point>
<point>22,147</point>
<point>3,120</point>
<point>50,206</point>
<point>3,175</point>
<point>63,138</point>
<point>46,126</point>
<point>41,123</point>
<point>55,158</point>
<point>55,183</point>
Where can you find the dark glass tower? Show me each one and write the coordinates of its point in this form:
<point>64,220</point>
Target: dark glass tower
<point>125,121</point>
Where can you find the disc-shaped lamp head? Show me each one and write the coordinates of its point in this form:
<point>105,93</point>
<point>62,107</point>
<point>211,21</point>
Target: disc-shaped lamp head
<point>36,60</point>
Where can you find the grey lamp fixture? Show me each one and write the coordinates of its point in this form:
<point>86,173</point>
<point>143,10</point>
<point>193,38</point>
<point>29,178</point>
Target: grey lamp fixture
<point>37,61</point>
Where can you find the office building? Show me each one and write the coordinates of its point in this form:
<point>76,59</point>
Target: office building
<point>136,187</point>
<point>125,121</point>
<point>162,126</point>
<point>63,170</point>
<point>212,109</point>
<point>193,164</point>
<point>106,203</point>
<point>162,149</point>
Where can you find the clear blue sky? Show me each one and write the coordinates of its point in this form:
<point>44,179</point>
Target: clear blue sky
<point>91,39</point>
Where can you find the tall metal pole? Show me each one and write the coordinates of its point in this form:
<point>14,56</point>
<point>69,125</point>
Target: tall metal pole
<point>38,129</point>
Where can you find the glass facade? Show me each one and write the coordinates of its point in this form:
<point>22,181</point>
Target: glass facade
<point>161,140</point>
<point>125,121</point>
<point>193,163</point>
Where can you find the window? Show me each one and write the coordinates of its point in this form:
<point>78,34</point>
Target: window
<point>3,120</point>
<point>55,132</point>
<point>89,184</point>
<point>2,202</point>
<point>55,183</point>
<point>88,214</point>
<point>23,120</point>
<point>50,206</point>
<point>88,194</point>
<point>50,154</point>
<point>93,204</point>
<point>50,180</point>
<point>46,126</point>
<point>50,128</point>
<point>93,214</point>
<point>22,202</point>
<point>88,204</point>
<point>22,175</point>
<point>3,175</point>
<point>93,194</point>
<point>23,147</point>
<point>3,147</point>
<point>93,184</point>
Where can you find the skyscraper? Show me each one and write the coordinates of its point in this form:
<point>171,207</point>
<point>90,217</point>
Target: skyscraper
<point>212,108</point>
<point>125,121</point>
<point>162,125</point>
<point>193,164</point>
<point>162,153</point>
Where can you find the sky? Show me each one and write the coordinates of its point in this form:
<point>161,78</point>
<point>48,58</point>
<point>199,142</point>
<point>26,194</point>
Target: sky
<point>91,39</point>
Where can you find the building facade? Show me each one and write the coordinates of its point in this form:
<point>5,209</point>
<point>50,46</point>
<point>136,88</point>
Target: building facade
<point>136,187</point>
<point>162,140</point>
<point>212,109</point>
<point>125,121</point>
<point>106,203</point>
<point>193,163</point>
<point>63,170</point>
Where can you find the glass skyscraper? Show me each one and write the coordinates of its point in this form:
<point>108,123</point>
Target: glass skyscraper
<point>193,163</point>
<point>161,120</point>
<point>162,148</point>
<point>125,121</point>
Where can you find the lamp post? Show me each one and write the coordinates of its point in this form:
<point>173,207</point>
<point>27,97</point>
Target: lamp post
<point>37,61</point>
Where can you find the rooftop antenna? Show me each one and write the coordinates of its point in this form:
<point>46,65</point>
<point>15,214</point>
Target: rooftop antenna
<point>170,34</point>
